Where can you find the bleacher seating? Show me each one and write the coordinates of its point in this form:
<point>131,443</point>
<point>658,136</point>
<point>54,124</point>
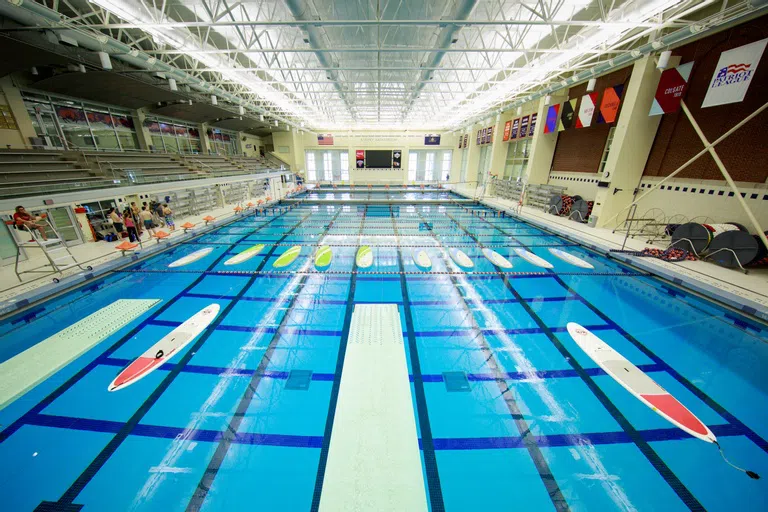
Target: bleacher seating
<point>24,172</point>
<point>214,165</point>
<point>144,167</point>
<point>252,164</point>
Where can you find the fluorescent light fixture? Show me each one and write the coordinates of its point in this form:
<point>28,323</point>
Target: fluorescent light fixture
<point>664,59</point>
<point>261,117</point>
<point>172,84</point>
<point>214,100</point>
<point>548,99</point>
<point>33,70</point>
<point>81,68</point>
<point>591,84</point>
<point>241,110</point>
<point>277,123</point>
<point>106,64</point>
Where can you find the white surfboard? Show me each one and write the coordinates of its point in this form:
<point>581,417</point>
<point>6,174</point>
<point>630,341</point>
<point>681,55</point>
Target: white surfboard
<point>497,259</point>
<point>532,258</point>
<point>364,258</point>
<point>245,255</point>
<point>570,258</point>
<point>191,257</point>
<point>167,347</point>
<point>421,259</point>
<point>460,258</point>
<point>634,380</point>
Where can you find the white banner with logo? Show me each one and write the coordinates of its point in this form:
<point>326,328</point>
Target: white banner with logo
<point>733,74</point>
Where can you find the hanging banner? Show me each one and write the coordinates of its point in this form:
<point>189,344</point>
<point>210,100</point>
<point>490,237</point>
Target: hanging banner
<point>490,135</point>
<point>397,156</point>
<point>466,136</point>
<point>431,140</point>
<point>553,115</point>
<point>524,126</point>
<point>586,110</point>
<point>507,129</point>
<point>325,139</point>
<point>515,127</point>
<point>484,139</point>
<point>360,158</point>
<point>534,116</point>
<point>733,74</point>
<point>609,107</point>
<point>461,138</point>
<point>478,137</point>
<point>672,86</point>
<point>567,113</point>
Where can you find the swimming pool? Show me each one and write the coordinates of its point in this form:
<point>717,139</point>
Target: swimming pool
<point>510,412</point>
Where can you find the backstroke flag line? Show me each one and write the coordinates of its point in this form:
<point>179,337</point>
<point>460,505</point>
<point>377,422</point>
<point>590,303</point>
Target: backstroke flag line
<point>733,74</point>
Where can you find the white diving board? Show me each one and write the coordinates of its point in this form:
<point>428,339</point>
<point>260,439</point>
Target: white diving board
<point>26,370</point>
<point>374,462</point>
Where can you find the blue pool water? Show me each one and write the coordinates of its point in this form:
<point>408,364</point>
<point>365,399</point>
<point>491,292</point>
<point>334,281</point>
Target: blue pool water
<point>539,427</point>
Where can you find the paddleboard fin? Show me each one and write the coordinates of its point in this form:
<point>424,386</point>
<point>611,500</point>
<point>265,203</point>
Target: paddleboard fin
<point>750,474</point>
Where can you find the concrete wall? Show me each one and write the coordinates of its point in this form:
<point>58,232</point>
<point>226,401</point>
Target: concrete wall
<point>250,140</point>
<point>11,96</point>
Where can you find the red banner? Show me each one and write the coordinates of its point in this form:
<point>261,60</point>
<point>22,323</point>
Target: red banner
<point>360,158</point>
<point>671,89</point>
<point>507,130</point>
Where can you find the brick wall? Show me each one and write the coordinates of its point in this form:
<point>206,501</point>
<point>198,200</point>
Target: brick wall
<point>580,150</point>
<point>745,153</point>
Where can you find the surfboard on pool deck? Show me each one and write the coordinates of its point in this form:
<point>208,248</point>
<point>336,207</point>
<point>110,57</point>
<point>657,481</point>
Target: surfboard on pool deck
<point>421,259</point>
<point>532,258</point>
<point>497,259</point>
<point>460,258</point>
<point>167,347</point>
<point>323,257</point>
<point>245,255</point>
<point>634,380</point>
<point>191,257</point>
<point>570,258</point>
<point>364,258</point>
<point>287,257</point>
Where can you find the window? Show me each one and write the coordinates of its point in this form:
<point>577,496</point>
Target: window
<point>412,157</point>
<point>344,166</point>
<point>447,157</point>
<point>311,166</point>
<point>608,143</point>
<point>422,164</point>
<point>327,164</point>
<point>173,137</point>
<point>517,159</point>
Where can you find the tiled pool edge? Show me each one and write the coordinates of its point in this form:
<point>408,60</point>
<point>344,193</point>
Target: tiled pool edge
<point>681,276</point>
<point>21,301</point>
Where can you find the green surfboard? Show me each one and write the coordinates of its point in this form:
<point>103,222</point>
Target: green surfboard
<point>287,257</point>
<point>364,257</point>
<point>245,255</point>
<point>323,257</point>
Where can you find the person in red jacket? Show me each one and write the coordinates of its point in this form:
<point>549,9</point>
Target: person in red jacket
<point>24,219</point>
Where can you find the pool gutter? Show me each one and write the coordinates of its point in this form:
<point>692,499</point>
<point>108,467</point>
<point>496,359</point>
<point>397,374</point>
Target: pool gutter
<point>25,300</point>
<point>708,287</point>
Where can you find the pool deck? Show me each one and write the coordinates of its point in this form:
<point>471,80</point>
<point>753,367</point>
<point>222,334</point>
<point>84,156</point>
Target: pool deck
<point>746,292</point>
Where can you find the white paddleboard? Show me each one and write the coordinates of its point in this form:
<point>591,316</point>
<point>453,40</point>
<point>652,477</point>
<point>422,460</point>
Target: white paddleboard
<point>460,258</point>
<point>421,259</point>
<point>167,347</point>
<point>191,257</point>
<point>497,259</point>
<point>245,255</point>
<point>364,258</point>
<point>569,258</point>
<point>634,380</point>
<point>532,258</point>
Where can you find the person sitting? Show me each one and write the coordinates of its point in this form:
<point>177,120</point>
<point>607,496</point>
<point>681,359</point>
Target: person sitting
<point>23,219</point>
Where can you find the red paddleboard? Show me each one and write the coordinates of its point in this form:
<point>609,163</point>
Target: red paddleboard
<point>166,348</point>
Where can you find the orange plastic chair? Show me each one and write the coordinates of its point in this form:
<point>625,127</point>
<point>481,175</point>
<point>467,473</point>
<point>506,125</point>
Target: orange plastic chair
<point>250,205</point>
<point>187,225</point>
<point>238,209</point>
<point>160,235</point>
<point>125,247</point>
<point>208,219</point>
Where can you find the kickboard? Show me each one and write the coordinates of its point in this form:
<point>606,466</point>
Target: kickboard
<point>634,380</point>
<point>532,258</point>
<point>167,347</point>
<point>323,257</point>
<point>570,258</point>
<point>421,259</point>
<point>245,255</point>
<point>364,258</point>
<point>287,257</point>
<point>191,257</point>
<point>460,258</point>
<point>497,259</point>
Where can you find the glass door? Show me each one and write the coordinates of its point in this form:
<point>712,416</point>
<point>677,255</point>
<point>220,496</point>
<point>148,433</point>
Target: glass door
<point>63,221</point>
